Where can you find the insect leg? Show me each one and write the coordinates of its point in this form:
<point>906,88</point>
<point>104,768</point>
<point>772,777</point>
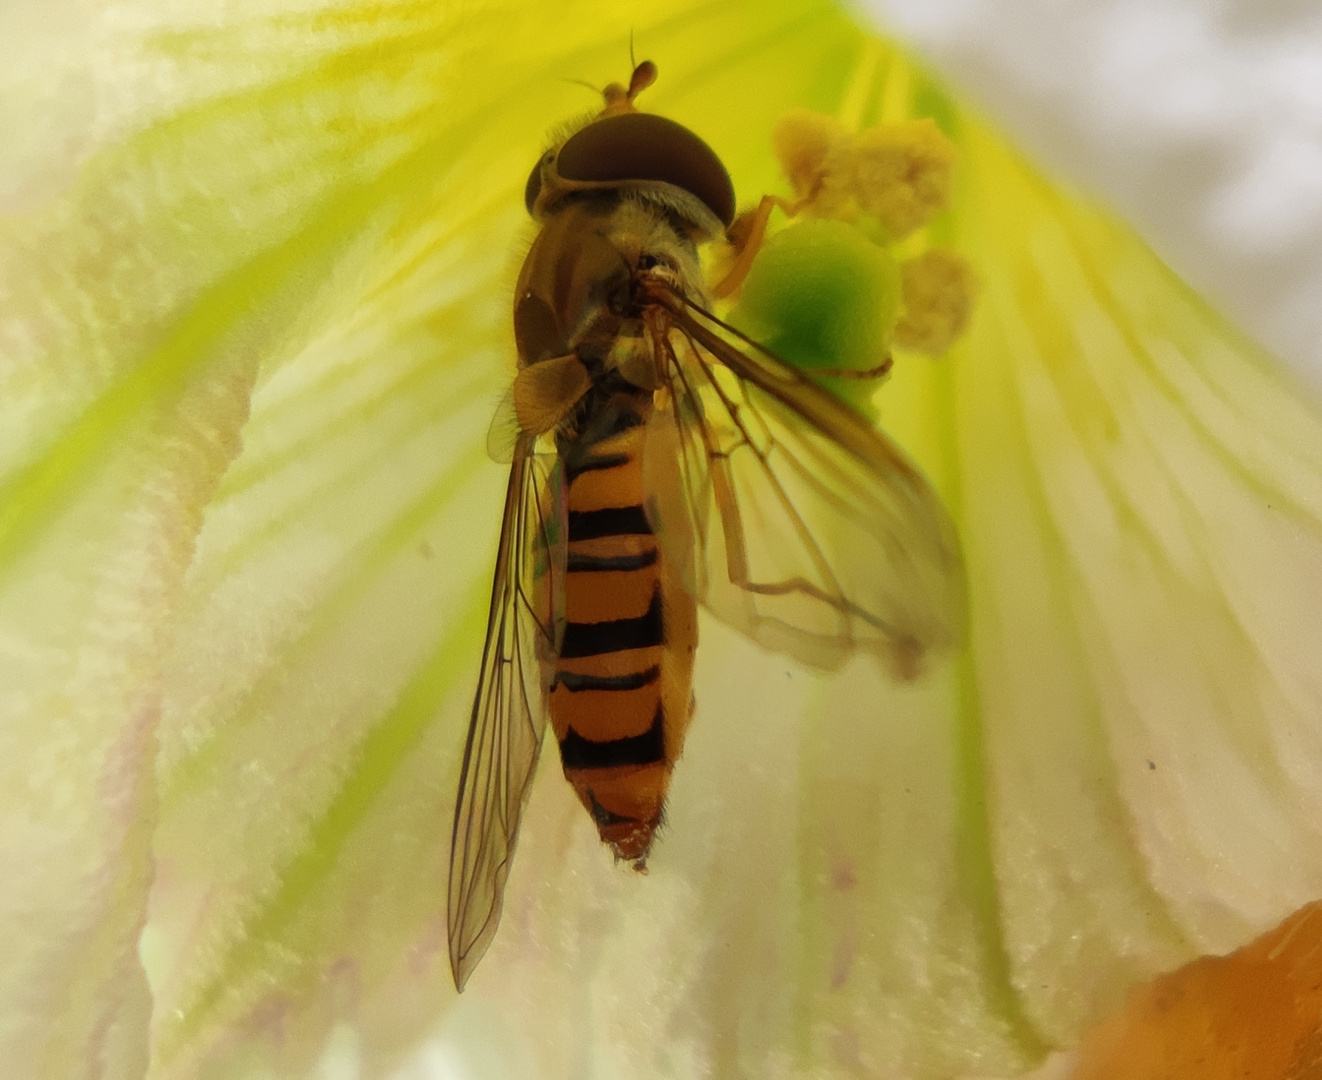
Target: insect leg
<point>754,230</point>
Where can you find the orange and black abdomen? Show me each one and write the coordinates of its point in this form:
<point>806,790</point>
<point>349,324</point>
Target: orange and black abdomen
<point>620,699</point>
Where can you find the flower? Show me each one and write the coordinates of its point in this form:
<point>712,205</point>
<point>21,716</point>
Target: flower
<point>256,322</point>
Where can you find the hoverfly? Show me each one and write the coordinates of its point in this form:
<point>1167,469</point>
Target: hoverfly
<point>662,460</point>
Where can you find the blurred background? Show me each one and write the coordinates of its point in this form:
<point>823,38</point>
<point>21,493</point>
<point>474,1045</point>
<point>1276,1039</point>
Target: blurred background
<point>1199,120</point>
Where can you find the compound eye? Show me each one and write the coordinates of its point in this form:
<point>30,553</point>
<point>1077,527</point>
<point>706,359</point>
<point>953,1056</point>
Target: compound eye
<point>643,146</point>
<point>534,186</point>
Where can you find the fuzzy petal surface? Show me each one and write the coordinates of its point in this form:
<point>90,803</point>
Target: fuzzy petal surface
<point>260,312</point>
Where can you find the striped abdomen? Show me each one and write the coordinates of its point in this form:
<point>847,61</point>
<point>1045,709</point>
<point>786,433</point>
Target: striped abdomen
<point>620,700</point>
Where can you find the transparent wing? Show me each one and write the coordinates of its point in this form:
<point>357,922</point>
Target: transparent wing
<point>505,732</point>
<point>794,521</point>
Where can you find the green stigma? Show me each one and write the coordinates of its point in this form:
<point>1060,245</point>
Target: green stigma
<point>821,295</point>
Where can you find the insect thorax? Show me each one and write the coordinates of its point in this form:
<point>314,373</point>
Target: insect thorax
<point>580,288</point>
<point>581,295</point>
